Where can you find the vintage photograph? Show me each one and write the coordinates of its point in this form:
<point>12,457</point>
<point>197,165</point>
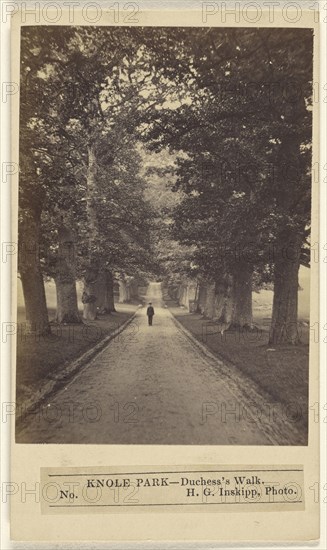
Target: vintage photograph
<point>164,235</point>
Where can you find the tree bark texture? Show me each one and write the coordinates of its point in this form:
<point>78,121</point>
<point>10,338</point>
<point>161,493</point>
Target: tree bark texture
<point>90,293</point>
<point>202,292</point>
<point>242,297</point>
<point>105,292</point>
<point>284,325</point>
<point>31,275</point>
<point>209,305</point>
<point>124,291</point>
<point>65,279</point>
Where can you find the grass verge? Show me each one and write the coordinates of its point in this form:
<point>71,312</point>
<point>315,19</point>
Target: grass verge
<point>280,371</point>
<point>40,358</point>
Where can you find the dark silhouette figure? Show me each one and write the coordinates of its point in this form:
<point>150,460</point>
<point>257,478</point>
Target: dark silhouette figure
<point>150,314</point>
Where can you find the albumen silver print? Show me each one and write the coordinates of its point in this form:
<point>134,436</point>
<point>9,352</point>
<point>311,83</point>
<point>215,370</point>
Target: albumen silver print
<point>164,235</point>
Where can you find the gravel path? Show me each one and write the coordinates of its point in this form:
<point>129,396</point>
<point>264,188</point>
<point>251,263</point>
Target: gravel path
<point>150,385</point>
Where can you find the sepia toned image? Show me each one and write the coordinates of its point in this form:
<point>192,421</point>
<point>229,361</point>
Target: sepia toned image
<point>164,235</point>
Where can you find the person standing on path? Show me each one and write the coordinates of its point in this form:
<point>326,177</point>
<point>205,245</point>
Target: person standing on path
<point>150,313</point>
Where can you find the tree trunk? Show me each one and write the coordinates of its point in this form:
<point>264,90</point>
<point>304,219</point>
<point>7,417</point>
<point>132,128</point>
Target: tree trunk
<point>134,289</point>
<point>31,275</point>
<point>90,297</point>
<point>110,299</point>
<point>67,308</point>
<point>242,297</point>
<point>220,296</point>
<point>90,294</point>
<point>201,297</point>
<point>229,302</point>
<point>89,311</point>
<point>284,328</point>
<point>209,306</point>
<point>180,291</point>
<point>128,292</point>
<point>123,291</point>
<point>105,292</point>
<point>287,251</point>
<point>183,295</point>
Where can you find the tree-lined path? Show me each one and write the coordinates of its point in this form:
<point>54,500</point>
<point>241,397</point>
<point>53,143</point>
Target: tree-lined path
<point>175,155</point>
<point>151,386</point>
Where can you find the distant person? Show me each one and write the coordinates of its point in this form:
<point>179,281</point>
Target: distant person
<point>150,314</point>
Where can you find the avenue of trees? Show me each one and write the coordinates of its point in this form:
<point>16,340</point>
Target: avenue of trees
<point>221,117</point>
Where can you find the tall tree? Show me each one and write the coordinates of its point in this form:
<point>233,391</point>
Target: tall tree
<point>85,107</point>
<point>239,100</point>
<point>37,163</point>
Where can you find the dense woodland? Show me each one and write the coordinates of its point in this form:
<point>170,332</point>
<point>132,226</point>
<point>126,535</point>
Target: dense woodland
<point>181,155</point>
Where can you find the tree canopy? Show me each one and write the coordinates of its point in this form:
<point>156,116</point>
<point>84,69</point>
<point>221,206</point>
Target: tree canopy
<point>228,111</point>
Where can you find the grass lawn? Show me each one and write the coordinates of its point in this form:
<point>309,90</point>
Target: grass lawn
<point>40,358</point>
<point>281,371</point>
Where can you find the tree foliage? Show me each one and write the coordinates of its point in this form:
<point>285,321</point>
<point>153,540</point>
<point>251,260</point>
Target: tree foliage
<point>229,111</point>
